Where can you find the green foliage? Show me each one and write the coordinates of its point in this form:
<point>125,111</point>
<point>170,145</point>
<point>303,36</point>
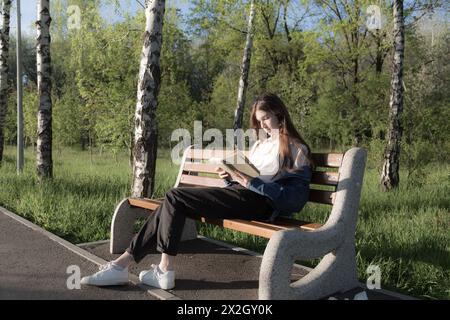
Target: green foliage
<point>66,119</point>
<point>310,63</point>
<point>30,105</point>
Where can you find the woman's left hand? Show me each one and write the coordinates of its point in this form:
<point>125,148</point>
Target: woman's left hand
<point>241,178</point>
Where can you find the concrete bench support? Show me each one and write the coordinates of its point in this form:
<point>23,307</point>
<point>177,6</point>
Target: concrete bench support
<point>122,226</point>
<point>334,241</point>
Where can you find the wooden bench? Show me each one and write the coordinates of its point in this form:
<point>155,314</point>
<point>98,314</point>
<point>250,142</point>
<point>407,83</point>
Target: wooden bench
<point>290,239</point>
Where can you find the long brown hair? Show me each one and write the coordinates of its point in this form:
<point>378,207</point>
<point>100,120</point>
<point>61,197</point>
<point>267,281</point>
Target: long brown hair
<point>270,102</point>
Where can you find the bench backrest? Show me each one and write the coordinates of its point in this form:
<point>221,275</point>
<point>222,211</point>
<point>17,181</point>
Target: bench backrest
<point>341,174</point>
<point>195,171</point>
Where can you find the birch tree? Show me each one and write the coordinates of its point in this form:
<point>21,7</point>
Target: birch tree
<point>43,59</point>
<point>5,9</point>
<point>390,173</point>
<point>145,134</point>
<point>245,69</point>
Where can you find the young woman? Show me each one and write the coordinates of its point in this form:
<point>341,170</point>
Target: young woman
<point>284,161</point>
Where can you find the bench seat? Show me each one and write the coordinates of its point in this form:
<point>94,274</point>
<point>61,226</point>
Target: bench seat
<point>257,228</point>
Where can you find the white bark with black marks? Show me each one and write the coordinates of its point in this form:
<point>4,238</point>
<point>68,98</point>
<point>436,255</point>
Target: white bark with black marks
<point>245,69</point>
<point>146,135</point>
<point>5,12</point>
<point>390,173</point>
<point>44,82</point>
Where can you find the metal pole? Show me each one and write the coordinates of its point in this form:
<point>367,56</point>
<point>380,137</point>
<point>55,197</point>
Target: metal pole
<point>20,160</point>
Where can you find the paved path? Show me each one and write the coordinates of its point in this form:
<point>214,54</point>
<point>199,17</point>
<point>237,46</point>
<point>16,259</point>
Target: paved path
<point>209,270</point>
<point>33,265</point>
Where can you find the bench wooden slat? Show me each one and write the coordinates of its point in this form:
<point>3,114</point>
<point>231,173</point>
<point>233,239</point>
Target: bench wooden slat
<point>201,181</point>
<point>333,160</point>
<point>150,204</point>
<point>318,177</point>
<point>199,167</point>
<point>205,154</point>
<point>258,228</point>
<point>327,178</point>
<point>291,223</point>
<point>320,196</point>
<point>301,224</point>
<point>251,227</point>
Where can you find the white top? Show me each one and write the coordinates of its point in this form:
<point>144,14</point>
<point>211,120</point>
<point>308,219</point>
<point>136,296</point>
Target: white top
<point>264,154</point>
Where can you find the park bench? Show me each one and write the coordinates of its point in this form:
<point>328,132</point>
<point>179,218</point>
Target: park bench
<point>336,182</point>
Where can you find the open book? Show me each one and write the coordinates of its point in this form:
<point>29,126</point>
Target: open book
<point>236,161</point>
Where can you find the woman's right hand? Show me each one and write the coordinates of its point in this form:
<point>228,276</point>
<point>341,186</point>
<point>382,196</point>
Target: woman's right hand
<point>222,173</point>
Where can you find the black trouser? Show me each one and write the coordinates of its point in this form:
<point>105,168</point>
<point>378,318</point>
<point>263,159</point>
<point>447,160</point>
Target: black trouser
<point>164,226</point>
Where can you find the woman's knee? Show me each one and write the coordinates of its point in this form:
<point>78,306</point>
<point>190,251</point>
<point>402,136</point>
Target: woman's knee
<point>171,192</point>
<point>173,195</point>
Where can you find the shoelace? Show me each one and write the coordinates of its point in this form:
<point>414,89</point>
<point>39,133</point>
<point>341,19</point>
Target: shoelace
<point>105,266</point>
<point>156,271</point>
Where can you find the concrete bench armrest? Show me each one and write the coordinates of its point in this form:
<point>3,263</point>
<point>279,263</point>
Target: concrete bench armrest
<point>299,244</point>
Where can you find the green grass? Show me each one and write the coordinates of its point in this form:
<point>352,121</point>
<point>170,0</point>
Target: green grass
<point>405,232</point>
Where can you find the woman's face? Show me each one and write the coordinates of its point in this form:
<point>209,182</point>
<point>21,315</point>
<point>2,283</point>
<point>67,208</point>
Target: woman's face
<point>267,121</point>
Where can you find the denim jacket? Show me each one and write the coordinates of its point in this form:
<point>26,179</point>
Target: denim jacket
<point>288,191</point>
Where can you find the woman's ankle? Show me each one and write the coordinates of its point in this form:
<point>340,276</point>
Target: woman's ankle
<point>166,263</point>
<point>124,260</point>
<point>119,265</point>
<point>164,268</point>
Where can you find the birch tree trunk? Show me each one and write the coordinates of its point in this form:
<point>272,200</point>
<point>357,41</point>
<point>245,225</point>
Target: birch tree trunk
<point>146,135</point>
<point>245,68</point>
<point>390,173</point>
<point>5,10</point>
<point>43,59</point>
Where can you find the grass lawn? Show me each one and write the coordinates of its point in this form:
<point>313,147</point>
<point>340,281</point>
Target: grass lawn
<point>404,232</point>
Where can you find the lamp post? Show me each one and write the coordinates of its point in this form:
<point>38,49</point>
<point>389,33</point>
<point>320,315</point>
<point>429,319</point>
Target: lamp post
<point>19,95</point>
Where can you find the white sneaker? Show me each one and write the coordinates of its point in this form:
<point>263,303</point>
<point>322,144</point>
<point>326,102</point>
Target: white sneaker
<point>155,277</point>
<point>109,275</point>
